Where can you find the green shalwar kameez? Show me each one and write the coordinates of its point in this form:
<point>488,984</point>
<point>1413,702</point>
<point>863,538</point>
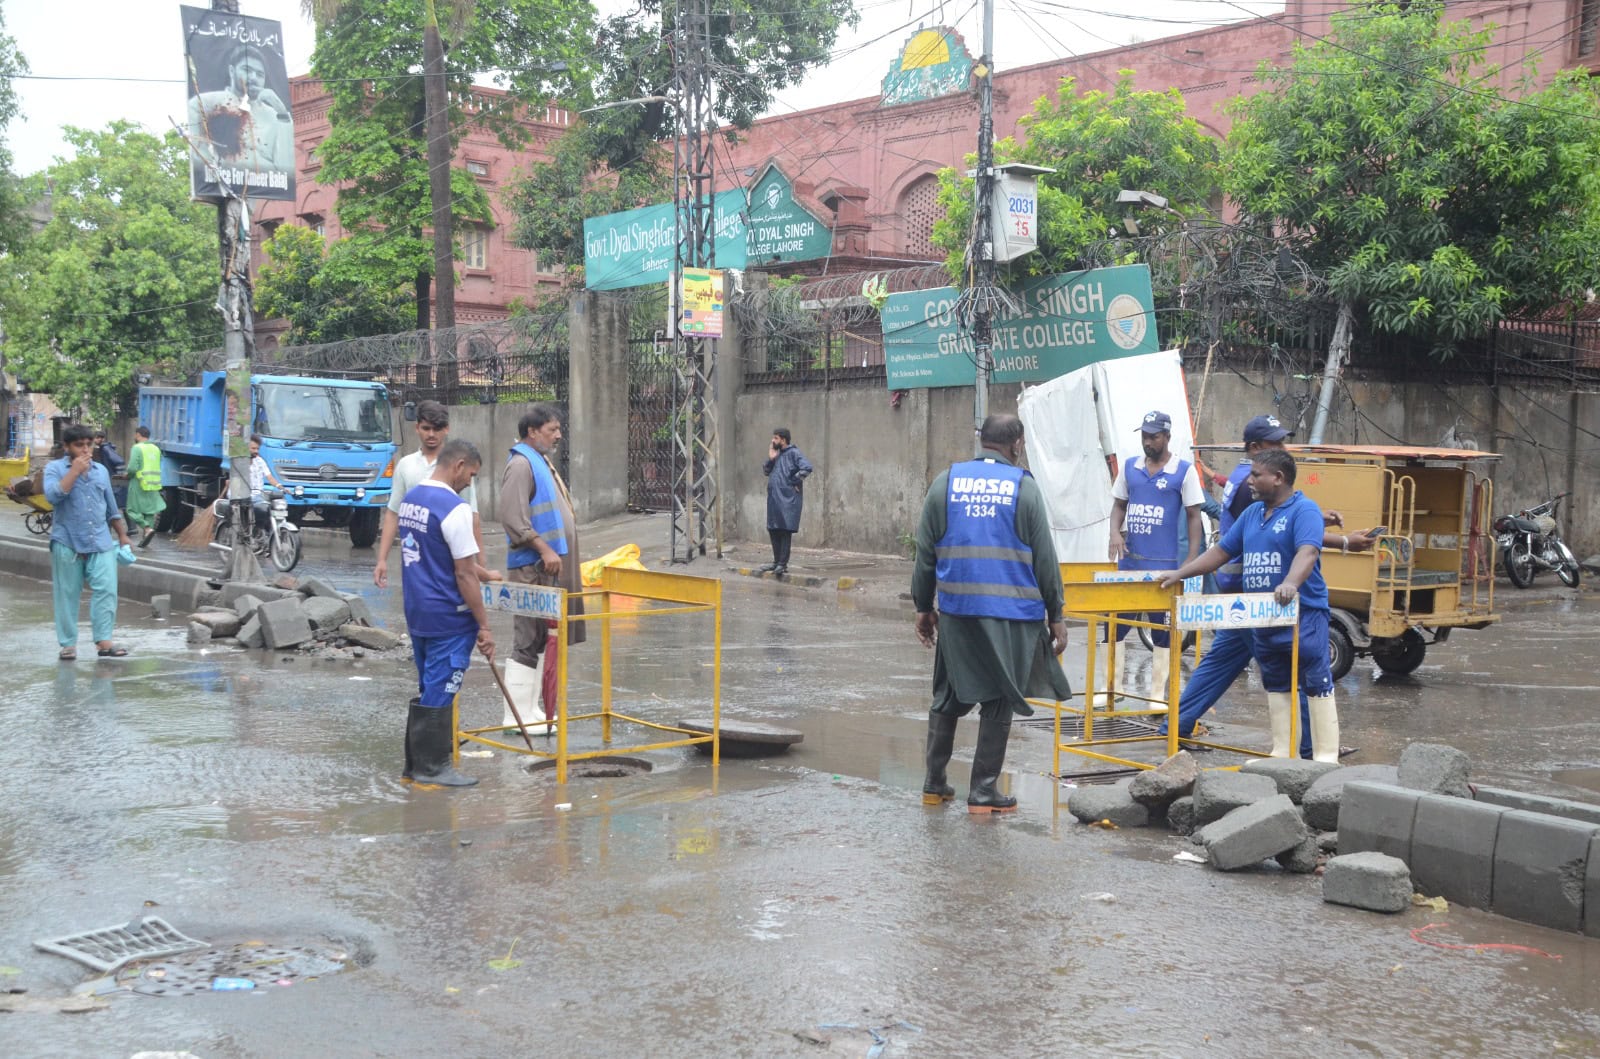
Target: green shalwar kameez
<point>143,505</point>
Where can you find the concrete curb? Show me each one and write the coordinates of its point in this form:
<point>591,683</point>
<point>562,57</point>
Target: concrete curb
<point>140,582</point>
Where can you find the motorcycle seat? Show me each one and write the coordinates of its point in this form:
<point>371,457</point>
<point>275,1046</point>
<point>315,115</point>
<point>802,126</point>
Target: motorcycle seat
<point>1525,525</point>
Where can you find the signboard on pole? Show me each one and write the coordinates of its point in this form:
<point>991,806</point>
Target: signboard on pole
<point>700,295</point>
<point>240,128</point>
<point>636,248</point>
<point>526,601</point>
<point>1067,322</point>
<point>779,228</point>
<point>1236,610</point>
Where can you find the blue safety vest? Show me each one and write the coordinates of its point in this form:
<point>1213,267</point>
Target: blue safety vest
<point>433,602</point>
<point>1230,578</point>
<point>1150,528</point>
<point>984,569</point>
<point>544,511</point>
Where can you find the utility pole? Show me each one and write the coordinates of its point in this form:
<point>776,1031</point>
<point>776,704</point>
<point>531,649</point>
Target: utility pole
<point>1338,351</point>
<point>436,111</point>
<point>981,254</point>
<point>694,434</point>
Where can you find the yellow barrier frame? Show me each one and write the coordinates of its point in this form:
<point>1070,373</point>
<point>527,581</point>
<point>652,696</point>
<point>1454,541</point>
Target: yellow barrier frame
<point>1110,604</point>
<point>692,595</point>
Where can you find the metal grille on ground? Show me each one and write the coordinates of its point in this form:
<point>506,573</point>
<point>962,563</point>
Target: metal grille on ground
<point>263,966</point>
<point>108,948</point>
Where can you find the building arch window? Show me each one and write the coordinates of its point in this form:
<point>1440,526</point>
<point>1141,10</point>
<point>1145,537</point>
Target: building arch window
<point>475,248</point>
<point>918,208</point>
<point>1589,30</point>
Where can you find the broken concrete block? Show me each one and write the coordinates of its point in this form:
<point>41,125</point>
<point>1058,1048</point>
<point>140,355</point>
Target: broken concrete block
<point>161,606</point>
<point>1321,801</point>
<point>1377,818</point>
<point>314,587</point>
<point>220,622</point>
<point>198,634</point>
<point>1294,776</point>
<point>325,613</point>
<point>1093,804</point>
<point>232,590</point>
<point>1218,793</point>
<point>283,623</point>
<point>1452,849</point>
<point>1251,833</point>
<point>1435,768</point>
<point>1588,812</point>
<point>1540,863</point>
<point>1328,841</point>
<point>287,582</point>
<point>360,613</point>
<point>368,637</point>
<point>250,633</point>
<point>1302,859</point>
<point>1374,881</point>
<point>245,607</point>
<point>1180,815</point>
<point>1157,788</point>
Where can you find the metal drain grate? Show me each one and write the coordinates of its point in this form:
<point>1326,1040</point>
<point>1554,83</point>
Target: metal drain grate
<point>1104,727</point>
<point>263,965</point>
<point>108,948</point>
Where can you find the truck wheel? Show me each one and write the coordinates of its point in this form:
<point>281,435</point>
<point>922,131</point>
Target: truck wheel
<point>1341,652</point>
<point>364,527</point>
<point>1399,654</point>
<point>178,515</point>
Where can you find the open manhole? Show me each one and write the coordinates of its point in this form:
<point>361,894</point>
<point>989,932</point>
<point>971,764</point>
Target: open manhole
<point>596,768</point>
<point>261,965</point>
<point>1104,727</point>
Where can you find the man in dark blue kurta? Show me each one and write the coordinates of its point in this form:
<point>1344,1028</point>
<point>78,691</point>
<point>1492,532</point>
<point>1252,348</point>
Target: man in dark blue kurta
<point>786,469</point>
<point>984,545</point>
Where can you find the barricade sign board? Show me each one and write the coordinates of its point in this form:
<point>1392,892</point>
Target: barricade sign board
<point>1191,585</point>
<point>525,601</point>
<point>1236,610</point>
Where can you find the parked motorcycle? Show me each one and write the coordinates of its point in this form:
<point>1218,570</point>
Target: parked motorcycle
<point>277,542</point>
<point>1530,541</point>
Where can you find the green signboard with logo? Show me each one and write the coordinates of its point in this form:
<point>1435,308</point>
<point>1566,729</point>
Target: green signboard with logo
<point>1067,322</point>
<point>636,248</point>
<point>779,228</point>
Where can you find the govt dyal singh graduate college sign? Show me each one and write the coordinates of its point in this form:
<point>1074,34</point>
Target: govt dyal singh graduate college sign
<point>1067,322</point>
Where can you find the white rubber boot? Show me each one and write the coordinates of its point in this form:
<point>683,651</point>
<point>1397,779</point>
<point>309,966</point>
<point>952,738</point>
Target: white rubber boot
<point>1160,673</point>
<point>1118,655</point>
<point>1279,705</point>
<point>1324,728</point>
<point>1097,698</point>
<point>523,683</point>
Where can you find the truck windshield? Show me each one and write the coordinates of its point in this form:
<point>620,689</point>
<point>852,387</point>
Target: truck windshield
<point>308,412</point>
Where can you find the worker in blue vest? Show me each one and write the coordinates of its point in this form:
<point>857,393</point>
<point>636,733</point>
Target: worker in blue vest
<point>444,609</point>
<point>1154,502</point>
<point>986,557</point>
<point>1229,651</point>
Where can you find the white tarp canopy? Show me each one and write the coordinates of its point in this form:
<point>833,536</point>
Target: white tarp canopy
<point>1079,425</point>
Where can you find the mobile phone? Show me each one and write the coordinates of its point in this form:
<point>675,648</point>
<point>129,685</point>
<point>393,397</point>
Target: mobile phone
<point>1377,531</point>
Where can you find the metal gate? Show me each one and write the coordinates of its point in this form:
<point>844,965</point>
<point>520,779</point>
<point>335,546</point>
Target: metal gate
<point>652,403</point>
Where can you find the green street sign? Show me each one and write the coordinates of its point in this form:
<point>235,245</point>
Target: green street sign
<point>1067,322</point>
<point>779,228</point>
<point>635,248</point>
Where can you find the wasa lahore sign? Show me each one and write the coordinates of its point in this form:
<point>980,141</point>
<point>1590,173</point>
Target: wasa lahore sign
<point>1066,322</point>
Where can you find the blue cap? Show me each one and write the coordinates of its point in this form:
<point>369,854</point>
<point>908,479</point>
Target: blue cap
<point>1265,428</point>
<point>1156,423</point>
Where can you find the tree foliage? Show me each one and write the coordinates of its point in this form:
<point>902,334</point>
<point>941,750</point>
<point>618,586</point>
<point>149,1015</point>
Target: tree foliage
<point>757,49</point>
<point>13,206</point>
<point>1098,143</point>
<point>329,292</point>
<point>376,149</point>
<point>123,276</point>
<point>1384,157</point>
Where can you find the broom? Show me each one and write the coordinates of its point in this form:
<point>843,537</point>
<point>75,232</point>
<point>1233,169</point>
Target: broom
<point>198,533</point>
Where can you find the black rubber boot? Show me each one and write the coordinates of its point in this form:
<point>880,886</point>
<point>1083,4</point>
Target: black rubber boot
<point>987,761</point>
<point>941,740</point>
<point>415,702</point>
<point>430,736</point>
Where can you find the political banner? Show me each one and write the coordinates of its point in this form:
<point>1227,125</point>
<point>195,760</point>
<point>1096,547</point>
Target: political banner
<point>1236,610</point>
<point>240,128</point>
<point>1066,322</point>
<point>700,295</point>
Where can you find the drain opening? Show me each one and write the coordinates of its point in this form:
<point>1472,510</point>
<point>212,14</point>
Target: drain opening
<point>262,966</point>
<point>595,768</point>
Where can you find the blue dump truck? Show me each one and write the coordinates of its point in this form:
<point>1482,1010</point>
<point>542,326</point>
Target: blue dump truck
<point>329,441</point>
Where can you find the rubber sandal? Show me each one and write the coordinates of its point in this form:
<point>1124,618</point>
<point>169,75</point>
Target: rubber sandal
<point>113,652</point>
<point>68,654</point>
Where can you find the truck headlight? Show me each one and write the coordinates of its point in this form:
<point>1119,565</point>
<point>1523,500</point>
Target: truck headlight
<point>299,490</point>
<point>361,494</point>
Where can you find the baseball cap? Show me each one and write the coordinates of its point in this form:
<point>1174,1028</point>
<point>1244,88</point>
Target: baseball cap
<point>1156,423</point>
<point>1265,428</point>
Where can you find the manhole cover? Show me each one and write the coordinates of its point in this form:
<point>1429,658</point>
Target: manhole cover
<point>596,768</point>
<point>1104,727</point>
<point>264,966</point>
<point>744,738</point>
<point>108,948</point>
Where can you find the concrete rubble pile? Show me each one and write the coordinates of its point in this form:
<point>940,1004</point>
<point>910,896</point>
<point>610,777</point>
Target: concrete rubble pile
<point>1378,834</point>
<point>304,615</point>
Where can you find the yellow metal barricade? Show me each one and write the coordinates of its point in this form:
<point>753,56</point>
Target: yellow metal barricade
<point>681,593</point>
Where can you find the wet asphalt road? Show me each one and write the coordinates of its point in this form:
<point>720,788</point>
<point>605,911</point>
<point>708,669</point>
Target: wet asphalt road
<point>692,912</point>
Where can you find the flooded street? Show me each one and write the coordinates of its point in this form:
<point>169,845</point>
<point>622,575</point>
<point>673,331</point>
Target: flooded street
<point>750,910</point>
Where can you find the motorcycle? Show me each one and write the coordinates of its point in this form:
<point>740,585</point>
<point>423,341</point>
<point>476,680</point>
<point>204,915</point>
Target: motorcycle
<point>277,542</point>
<point>1530,541</point>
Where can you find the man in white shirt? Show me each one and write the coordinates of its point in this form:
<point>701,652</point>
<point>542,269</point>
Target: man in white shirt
<point>260,475</point>
<point>433,428</point>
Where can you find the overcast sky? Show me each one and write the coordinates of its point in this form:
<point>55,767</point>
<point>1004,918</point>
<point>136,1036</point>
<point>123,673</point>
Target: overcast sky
<point>142,39</point>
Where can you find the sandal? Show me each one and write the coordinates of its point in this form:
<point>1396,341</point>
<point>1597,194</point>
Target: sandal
<point>113,652</point>
<point>68,654</point>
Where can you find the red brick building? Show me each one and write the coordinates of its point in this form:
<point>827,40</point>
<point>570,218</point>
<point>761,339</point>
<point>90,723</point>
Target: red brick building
<point>870,164</point>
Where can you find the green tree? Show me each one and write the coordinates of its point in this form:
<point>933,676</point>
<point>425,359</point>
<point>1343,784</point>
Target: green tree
<point>1384,157</point>
<point>757,49</point>
<point>330,292</point>
<point>1098,143</point>
<point>123,276</point>
<point>13,206</point>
